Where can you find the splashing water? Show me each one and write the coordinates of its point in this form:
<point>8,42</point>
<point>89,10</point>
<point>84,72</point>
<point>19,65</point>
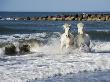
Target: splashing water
<point>48,60</point>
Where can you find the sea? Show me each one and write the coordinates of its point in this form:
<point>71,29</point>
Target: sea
<point>48,63</point>
<point>97,29</point>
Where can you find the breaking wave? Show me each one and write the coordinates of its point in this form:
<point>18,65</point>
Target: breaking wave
<point>48,60</point>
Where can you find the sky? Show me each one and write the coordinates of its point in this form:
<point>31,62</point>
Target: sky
<point>55,5</point>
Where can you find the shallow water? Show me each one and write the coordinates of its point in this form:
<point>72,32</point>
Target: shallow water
<point>48,63</point>
<point>79,77</point>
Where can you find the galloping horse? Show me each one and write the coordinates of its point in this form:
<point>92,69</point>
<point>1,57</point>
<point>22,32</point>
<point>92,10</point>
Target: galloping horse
<point>82,39</point>
<point>67,38</point>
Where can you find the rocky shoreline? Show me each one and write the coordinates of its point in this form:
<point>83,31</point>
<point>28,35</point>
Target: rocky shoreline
<point>63,17</point>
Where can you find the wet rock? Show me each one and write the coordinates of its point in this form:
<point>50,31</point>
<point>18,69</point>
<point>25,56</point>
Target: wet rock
<point>77,17</point>
<point>10,49</point>
<point>59,18</point>
<point>19,18</point>
<point>30,45</point>
<point>28,18</point>
<point>43,18</point>
<point>34,18</point>
<point>89,19</point>
<point>34,44</point>
<point>103,18</point>
<point>39,18</point>
<point>24,48</point>
<point>68,18</point>
<point>54,18</point>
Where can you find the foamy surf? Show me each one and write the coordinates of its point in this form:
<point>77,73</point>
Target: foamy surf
<point>48,61</point>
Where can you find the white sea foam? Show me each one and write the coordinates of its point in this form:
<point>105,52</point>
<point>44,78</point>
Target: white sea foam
<point>1,51</point>
<point>49,60</point>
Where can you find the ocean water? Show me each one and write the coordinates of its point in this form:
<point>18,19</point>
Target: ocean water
<point>97,29</point>
<point>33,14</point>
<point>47,63</point>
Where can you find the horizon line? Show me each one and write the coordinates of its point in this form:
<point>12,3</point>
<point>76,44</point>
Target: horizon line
<point>57,11</point>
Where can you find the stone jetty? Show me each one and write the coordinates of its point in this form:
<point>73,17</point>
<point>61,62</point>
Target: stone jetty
<point>70,17</point>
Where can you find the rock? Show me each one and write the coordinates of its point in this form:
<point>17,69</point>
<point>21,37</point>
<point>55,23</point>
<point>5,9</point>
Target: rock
<point>30,45</point>
<point>54,18</point>
<point>28,18</point>
<point>10,49</point>
<point>64,17</point>
<point>34,18</point>
<point>39,18</point>
<point>68,18</point>
<point>89,19</point>
<point>44,18</point>
<point>59,18</point>
<point>34,44</point>
<point>20,18</point>
<point>103,18</point>
<point>24,48</point>
<point>49,18</point>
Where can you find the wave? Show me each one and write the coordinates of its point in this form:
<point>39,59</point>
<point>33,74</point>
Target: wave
<point>48,60</point>
<point>51,40</point>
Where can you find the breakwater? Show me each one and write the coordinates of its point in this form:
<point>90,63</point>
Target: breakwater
<point>65,17</point>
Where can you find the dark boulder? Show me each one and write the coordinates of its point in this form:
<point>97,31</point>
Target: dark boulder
<point>10,49</point>
<point>24,48</point>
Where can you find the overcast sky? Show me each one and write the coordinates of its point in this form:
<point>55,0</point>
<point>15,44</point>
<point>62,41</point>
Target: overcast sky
<point>55,5</point>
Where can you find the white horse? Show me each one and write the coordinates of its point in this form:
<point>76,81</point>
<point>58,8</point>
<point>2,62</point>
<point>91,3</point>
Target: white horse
<point>82,40</point>
<point>67,38</point>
